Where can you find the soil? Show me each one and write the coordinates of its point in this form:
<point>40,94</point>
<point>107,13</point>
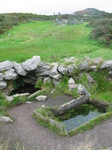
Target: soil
<point>27,131</point>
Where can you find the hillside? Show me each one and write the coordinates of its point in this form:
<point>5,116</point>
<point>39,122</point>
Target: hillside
<point>90,11</point>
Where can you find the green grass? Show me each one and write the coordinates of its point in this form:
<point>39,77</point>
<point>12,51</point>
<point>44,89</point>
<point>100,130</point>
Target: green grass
<point>50,42</point>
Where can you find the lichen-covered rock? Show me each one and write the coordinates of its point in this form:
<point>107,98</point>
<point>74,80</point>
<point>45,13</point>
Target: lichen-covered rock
<point>63,70</point>
<point>1,77</point>
<point>83,91</point>
<point>31,64</point>
<point>106,64</point>
<point>83,65</point>
<point>10,74</point>
<point>3,85</point>
<point>41,98</point>
<point>19,69</point>
<point>97,60</point>
<point>5,65</point>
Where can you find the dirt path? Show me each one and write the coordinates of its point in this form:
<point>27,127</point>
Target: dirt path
<point>26,130</point>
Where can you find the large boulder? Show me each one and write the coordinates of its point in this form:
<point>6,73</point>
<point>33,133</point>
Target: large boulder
<point>5,65</point>
<point>10,74</point>
<point>31,64</point>
<point>106,64</point>
<point>63,70</point>
<point>1,77</point>
<point>83,91</point>
<point>19,69</point>
<point>3,85</point>
<point>83,65</point>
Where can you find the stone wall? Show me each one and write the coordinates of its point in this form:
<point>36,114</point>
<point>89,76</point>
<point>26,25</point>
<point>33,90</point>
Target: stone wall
<point>34,69</point>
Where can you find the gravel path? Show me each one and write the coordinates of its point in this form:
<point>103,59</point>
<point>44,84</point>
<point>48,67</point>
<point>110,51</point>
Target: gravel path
<point>26,130</point>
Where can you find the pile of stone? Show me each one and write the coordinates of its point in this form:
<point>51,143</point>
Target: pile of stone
<point>33,69</point>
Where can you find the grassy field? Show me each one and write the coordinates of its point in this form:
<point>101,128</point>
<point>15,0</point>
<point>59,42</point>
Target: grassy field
<point>50,42</point>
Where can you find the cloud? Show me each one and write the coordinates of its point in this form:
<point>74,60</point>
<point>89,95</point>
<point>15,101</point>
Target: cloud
<point>51,6</point>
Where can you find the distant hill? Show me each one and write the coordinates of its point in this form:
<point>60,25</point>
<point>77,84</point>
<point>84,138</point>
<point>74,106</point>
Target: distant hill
<point>90,11</point>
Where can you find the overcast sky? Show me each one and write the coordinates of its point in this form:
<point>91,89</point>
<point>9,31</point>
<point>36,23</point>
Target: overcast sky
<point>52,6</point>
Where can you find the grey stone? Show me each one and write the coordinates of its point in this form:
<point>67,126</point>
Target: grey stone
<point>70,69</point>
<point>83,65</point>
<point>10,74</point>
<point>90,79</point>
<point>45,73</point>
<point>57,76</point>
<point>28,80</point>
<point>34,94</point>
<point>74,65</point>
<point>47,80</point>
<point>93,68</point>
<point>72,86</point>
<point>3,85</point>
<point>1,77</point>
<point>83,91</point>
<point>70,60</point>
<point>106,64</point>
<point>9,98</point>
<point>55,82</point>
<point>63,70</point>
<point>5,65</point>
<point>28,102</point>
<point>19,69</point>
<point>52,91</point>
<point>41,98</point>
<point>16,95</point>
<point>71,81</point>
<point>43,68</point>
<point>24,94</point>
<point>87,58</point>
<point>5,119</point>
<point>31,64</point>
<point>97,60</point>
<point>53,70</point>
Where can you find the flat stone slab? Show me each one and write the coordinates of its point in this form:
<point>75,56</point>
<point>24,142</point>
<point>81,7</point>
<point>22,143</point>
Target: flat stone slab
<point>5,119</point>
<point>41,98</point>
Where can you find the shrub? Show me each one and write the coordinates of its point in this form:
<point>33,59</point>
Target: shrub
<point>102,30</point>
